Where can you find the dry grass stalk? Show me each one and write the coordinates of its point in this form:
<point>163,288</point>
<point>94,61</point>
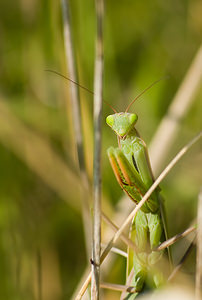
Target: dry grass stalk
<point>161,142</point>
<point>79,286</point>
<point>76,111</point>
<point>183,259</point>
<point>123,237</point>
<point>116,250</point>
<point>117,287</point>
<point>98,83</point>
<point>175,238</point>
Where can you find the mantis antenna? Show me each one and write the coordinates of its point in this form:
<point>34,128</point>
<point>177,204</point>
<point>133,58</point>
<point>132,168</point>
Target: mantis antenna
<point>81,86</point>
<point>131,103</point>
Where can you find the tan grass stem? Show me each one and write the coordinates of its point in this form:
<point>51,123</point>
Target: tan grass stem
<point>76,111</point>
<point>98,91</point>
<point>169,126</point>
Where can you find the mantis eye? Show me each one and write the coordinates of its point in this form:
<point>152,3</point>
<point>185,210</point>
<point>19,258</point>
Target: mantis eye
<point>110,120</point>
<point>133,118</point>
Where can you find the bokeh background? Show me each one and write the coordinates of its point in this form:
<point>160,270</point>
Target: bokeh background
<point>41,232</point>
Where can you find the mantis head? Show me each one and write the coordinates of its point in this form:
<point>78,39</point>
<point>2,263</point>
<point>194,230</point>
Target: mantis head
<point>122,123</point>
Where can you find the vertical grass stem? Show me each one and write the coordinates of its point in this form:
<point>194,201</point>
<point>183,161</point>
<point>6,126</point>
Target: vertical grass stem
<point>98,82</point>
<point>75,103</point>
<point>169,126</point>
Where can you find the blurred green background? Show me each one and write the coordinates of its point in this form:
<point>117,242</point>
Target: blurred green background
<point>41,231</point>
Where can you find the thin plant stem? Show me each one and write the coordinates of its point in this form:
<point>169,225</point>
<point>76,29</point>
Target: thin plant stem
<point>76,111</point>
<point>174,239</point>
<point>116,236</point>
<point>183,259</point>
<point>98,89</point>
<point>128,283</point>
<point>161,142</point>
<point>83,277</point>
<point>123,237</point>
<point>118,287</point>
<point>198,290</point>
<point>116,251</point>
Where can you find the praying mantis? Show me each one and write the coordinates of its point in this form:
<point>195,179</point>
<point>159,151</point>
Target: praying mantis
<point>131,166</point>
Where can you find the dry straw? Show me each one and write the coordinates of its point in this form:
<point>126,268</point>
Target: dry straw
<point>76,111</point>
<point>98,90</point>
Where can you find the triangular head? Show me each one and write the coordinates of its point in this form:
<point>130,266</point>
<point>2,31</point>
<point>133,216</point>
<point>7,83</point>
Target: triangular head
<point>122,123</point>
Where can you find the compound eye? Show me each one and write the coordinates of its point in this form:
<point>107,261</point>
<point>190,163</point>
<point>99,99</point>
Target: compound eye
<point>110,120</point>
<point>133,118</point>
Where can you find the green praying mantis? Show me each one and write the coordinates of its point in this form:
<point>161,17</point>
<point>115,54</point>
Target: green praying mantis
<point>131,166</point>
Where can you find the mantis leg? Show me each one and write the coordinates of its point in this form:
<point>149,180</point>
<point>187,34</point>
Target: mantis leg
<point>130,179</point>
<point>155,229</point>
<point>146,232</point>
<point>142,162</point>
<point>138,261</point>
